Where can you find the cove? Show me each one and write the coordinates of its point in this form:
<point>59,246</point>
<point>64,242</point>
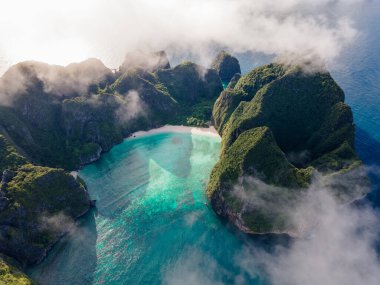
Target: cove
<point>152,224</point>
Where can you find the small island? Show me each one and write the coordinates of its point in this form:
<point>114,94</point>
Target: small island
<point>280,126</point>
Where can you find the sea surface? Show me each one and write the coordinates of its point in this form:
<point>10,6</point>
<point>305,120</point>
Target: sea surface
<point>153,224</point>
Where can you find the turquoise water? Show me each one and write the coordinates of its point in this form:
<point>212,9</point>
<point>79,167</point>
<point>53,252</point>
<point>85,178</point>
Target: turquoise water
<point>225,84</point>
<point>152,224</point>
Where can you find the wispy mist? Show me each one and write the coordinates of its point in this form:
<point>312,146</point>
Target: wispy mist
<point>335,244</point>
<point>57,223</point>
<point>339,248</point>
<point>132,108</point>
<point>70,31</point>
<point>74,79</point>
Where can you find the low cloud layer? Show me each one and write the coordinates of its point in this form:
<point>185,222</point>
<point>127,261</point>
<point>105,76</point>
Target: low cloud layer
<point>338,250</point>
<point>336,246</point>
<point>76,78</point>
<point>71,31</point>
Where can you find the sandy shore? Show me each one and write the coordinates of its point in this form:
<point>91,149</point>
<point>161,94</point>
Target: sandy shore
<point>178,129</point>
<point>74,174</point>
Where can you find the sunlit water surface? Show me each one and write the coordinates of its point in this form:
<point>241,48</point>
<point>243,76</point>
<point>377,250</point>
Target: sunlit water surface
<point>152,224</point>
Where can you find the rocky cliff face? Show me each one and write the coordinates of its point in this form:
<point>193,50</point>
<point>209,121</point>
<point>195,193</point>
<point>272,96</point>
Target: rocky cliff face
<point>43,203</point>
<point>37,205</point>
<point>62,116</point>
<point>32,113</point>
<point>280,125</point>
<point>226,65</point>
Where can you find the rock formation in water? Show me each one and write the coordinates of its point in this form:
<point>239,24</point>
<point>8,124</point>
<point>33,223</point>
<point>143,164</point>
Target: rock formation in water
<point>226,65</point>
<point>280,125</point>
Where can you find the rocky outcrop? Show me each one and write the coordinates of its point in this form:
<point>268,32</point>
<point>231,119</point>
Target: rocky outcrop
<point>91,154</point>
<point>42,205</point>
<point>234,80</point>
<point>189,83</point>
<point>279,126</point>
<point>226,65</point>
<point>37,206</point>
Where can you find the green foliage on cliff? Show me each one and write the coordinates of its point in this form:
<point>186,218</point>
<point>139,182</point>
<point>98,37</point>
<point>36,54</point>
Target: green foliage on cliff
<point>255,153</point>
<point>62,122</point>
<point>58,190</point>
<point>226,65</point>
<point>11,274</point>
<point>36,205</point>
<point>188,82</point>
<point>279,125</point>
<point>92,120</point>
<point>243,91</point>
<point>194,89</point>
<point>63,117</point>
<point>42,202</point>
<point>9,157</point>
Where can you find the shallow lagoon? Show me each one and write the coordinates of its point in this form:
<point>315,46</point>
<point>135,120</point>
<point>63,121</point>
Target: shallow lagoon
<point>152,224</point>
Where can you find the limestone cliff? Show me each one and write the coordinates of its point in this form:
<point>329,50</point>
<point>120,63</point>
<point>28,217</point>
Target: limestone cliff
<point>226,65</point>
<point>281,125</point>
<point>37,206</point>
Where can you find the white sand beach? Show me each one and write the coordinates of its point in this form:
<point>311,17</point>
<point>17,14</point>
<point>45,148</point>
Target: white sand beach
<point>178,129</point>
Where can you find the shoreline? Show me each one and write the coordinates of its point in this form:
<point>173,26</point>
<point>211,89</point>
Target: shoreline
<point>210,131</point>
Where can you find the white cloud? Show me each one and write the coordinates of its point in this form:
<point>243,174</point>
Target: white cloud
<point>62,32</point>
<point>133,107</point>
<point>339,249</point>
<point>336,245</point>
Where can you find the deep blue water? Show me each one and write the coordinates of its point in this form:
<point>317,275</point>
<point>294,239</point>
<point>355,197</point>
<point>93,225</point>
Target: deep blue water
<point>152,224</point>
<point>358,73</point>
